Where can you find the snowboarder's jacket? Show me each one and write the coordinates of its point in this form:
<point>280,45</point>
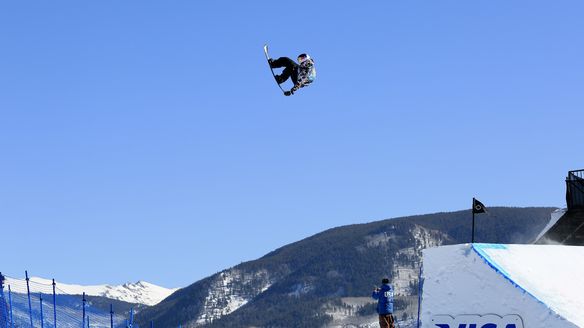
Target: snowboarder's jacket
<point>306,73</point>
<point>384,297</point>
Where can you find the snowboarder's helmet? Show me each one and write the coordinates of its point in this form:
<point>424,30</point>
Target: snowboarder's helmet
<point>385,281</point>
<point>302,58</point>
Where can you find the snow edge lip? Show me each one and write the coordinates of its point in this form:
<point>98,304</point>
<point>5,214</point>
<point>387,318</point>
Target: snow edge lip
<point>487,259</point>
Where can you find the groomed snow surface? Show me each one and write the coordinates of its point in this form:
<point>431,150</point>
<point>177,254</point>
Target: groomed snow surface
<point>531,285</point>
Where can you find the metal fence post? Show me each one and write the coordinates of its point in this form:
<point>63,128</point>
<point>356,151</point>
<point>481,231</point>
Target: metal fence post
<point>4,313</point>
<point>54,304</point>
<point>84,301</point>
<point>111,316</point>
<point>42,316</point>
<point>29,302</point>
<point>10,301</point>
<point>151,323</point>
<point>132,316</point>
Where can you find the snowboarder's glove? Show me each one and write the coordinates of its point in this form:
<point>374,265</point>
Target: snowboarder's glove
<point>288,93</point>
<point>297,86</point>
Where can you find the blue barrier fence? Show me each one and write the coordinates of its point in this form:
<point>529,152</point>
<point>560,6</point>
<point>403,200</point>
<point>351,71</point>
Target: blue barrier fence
<point>28,304</point>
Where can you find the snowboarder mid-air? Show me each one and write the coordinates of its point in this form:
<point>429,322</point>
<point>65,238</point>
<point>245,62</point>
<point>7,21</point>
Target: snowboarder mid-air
<point>302,74</point>
<point>384,297</point>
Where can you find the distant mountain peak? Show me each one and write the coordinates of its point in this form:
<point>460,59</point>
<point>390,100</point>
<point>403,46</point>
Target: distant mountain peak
<point>140,292</point>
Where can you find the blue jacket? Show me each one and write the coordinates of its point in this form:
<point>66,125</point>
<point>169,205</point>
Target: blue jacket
<point>384,299</point>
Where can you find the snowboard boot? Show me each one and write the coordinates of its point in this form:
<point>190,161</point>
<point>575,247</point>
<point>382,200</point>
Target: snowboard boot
<point>279,79</point>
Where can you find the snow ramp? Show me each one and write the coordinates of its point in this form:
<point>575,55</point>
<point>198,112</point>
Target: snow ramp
<point>507,286</point>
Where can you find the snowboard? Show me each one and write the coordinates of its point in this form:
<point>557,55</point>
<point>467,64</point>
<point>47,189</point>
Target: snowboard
<point>271,69</point>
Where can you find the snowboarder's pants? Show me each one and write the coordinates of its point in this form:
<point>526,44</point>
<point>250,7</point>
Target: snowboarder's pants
<point>290,70</point>
<point>386,321</point>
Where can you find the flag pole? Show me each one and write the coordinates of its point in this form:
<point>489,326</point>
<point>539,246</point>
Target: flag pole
<point>473,220</point>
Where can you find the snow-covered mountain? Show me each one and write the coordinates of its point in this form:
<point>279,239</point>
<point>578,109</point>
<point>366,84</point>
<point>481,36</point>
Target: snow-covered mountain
<point>140,292</point>
<point>326,279</point>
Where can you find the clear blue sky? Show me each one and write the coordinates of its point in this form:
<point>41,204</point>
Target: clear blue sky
<point>147,139</point>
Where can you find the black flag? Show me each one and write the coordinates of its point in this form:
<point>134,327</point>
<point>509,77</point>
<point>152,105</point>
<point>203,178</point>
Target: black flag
<point>477,207</point>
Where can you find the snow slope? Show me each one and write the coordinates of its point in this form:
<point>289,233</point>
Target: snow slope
<point>540,284</point>
<point>140,292</point>
<point>551,274</point>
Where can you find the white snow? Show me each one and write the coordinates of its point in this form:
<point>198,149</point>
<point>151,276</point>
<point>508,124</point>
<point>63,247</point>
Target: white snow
<point>542,284</point>
<point>552,274</point>
<point>224,296</point>
<point>140,292</point>
<point>301,289</point>
<point>402,276</point>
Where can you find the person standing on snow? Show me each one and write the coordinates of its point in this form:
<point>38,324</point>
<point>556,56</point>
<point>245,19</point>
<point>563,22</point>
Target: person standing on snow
<point>302,74</point>
<point>384,297</point>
